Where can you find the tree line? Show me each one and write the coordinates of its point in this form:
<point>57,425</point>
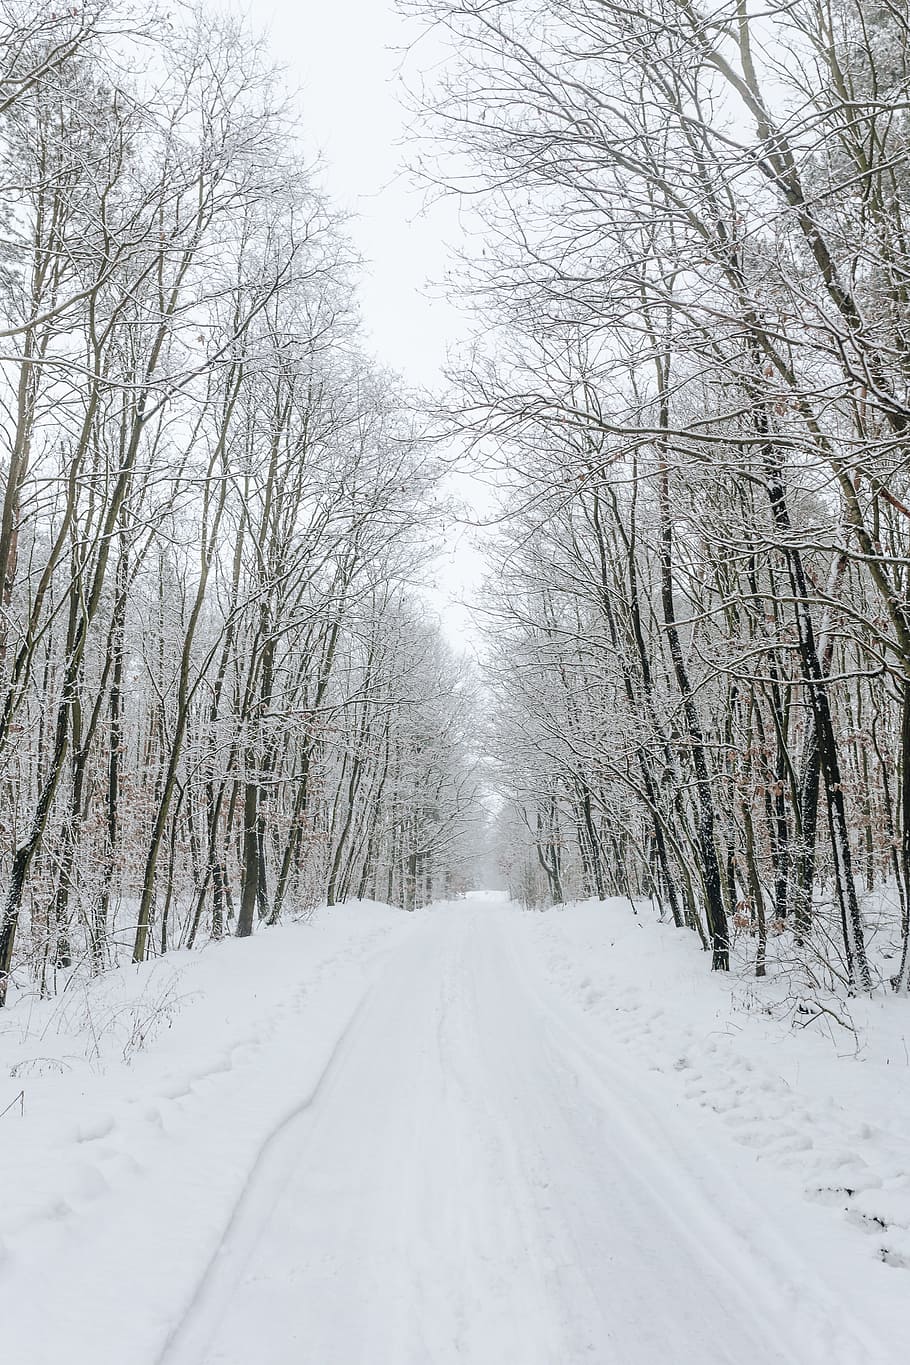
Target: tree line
<point>692,375</point>
<point>221,695</point>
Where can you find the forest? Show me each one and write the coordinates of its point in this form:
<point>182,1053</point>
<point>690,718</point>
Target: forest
<point>691,376</point>
<point>224,695</point>
<point>455,722</point>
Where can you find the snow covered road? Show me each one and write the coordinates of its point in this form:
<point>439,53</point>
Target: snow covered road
<point>467,1135</point>
<point>475,1179</point>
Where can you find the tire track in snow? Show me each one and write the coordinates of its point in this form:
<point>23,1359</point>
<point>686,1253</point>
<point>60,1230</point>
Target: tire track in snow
<point>188,1340</point>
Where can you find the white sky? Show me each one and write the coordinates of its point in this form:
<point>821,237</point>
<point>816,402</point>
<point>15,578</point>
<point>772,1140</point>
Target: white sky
<point>346,57</point>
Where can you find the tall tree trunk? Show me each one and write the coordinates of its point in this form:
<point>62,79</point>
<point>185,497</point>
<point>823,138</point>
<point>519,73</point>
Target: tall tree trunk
<point>715,913</point>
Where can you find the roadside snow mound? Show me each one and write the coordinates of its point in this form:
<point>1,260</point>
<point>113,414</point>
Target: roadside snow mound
<point>827,1103</point>
<point>137,1104</point>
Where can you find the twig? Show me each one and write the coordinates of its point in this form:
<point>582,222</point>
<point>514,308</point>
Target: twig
<point>17,1099</point>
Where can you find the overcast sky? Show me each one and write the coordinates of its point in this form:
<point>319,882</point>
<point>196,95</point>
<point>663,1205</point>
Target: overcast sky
<point>346,58</point>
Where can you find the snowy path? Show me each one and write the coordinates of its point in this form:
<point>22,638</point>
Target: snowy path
<point>476,1179</point>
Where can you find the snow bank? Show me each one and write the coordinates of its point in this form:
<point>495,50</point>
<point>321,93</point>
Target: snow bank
<point>137,1104</point>
<point>826,1103</point>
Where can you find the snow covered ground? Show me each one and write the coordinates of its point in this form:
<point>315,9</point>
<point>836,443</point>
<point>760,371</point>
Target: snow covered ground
<point>469,1135</point>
